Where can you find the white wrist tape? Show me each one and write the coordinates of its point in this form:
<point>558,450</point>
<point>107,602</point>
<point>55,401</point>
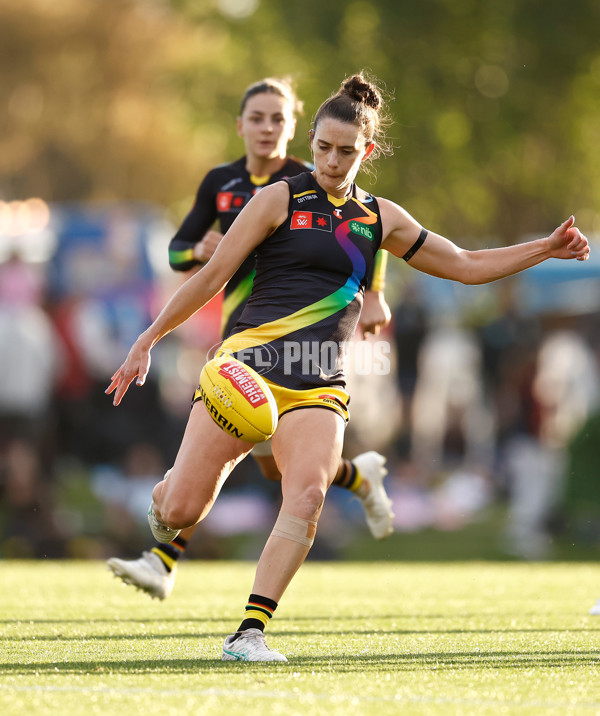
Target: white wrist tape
<point>295,529</point>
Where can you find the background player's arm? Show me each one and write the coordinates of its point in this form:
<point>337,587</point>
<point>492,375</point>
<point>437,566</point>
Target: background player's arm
<point>194,242</point>
<point>375,313</point>
<point>207,246</point>
<point>257,220</point>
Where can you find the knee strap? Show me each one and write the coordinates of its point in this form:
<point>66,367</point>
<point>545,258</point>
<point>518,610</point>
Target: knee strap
<point>295,529</point>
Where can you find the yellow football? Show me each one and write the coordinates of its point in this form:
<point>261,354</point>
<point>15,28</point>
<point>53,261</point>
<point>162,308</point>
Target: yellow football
<point>238,399</point>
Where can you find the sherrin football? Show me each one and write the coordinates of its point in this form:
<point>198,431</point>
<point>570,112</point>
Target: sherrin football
<point>238,399</point>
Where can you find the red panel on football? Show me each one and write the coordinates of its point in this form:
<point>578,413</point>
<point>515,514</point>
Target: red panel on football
<point>238,399</point>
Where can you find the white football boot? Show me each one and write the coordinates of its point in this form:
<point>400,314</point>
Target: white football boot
<point>147,573</point>
<point>595,610</point>
<point>376,503</point>
<point>250,645</point>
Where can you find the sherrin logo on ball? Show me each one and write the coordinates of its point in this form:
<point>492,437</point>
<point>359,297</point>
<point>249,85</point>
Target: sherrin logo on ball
<point>238,399</point>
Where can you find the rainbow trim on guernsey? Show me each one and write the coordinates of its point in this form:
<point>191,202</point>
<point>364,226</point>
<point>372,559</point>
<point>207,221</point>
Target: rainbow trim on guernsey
<point>239,294</point>
<point>319,310</point>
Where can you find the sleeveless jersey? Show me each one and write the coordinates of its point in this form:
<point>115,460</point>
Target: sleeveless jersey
<point>223,193</point>
<point>308,289</point>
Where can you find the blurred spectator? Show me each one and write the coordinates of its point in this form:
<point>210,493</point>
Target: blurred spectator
<point>566,386</point>
<point>451,422</point>
<point>28,354</point>
<point>565,391</point>
<point>27,522</point>
<point>410,325</point>
<point>21,284</point>
<point>28,366</point>
<point>376,401</point>
<point>74,385</point>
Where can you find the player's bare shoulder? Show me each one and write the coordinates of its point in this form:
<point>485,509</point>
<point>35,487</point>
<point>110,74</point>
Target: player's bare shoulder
<point>279,191</point>
<point>399,227</point>
<point>271,203</point>
<point>393,215</point>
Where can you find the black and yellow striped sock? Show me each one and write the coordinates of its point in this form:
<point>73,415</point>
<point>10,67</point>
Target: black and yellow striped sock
<point>169,553</point>
<point>259,611</point>
<point>350,478</point>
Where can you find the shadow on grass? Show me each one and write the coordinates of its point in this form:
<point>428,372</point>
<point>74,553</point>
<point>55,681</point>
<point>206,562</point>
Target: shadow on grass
<point>421,616</point>
<point>221,633</point>
<point>37,636</point>
<point>436,661</point>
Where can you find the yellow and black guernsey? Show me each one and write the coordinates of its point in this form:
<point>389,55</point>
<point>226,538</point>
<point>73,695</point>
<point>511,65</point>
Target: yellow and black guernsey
<point>223,193</point>
<point>308,290</point>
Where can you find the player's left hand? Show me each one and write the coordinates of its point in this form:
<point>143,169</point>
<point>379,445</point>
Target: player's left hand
<point>567,242</point>
<point>375,313</point>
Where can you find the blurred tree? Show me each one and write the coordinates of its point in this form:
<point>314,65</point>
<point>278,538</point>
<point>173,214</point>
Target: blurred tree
<point>95,107</point>
<point>497,104</point>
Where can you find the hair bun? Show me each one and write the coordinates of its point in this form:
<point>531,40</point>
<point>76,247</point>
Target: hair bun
<point>360,102</point>
<point>359,90</point>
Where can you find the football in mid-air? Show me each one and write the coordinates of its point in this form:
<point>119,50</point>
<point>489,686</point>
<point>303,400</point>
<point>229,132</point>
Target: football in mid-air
<point>238,399</point>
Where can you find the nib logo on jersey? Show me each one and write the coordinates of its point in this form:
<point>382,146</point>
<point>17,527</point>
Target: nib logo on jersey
<point>310,220</point>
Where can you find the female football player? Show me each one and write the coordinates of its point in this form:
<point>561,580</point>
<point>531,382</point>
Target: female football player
<point>311,266</point>
<point>266,123</point>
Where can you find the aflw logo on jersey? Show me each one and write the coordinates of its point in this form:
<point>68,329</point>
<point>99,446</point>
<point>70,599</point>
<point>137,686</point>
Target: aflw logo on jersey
<point>310,220</point>
<point>231,201</point>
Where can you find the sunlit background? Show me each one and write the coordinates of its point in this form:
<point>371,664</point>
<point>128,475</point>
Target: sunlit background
<point>112,113</point>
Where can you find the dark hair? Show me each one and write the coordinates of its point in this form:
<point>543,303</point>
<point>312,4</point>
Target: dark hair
<point>273,85</point>
<point>359,101</point>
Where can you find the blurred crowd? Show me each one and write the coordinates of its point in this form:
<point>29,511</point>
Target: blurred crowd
<point>479,408</point>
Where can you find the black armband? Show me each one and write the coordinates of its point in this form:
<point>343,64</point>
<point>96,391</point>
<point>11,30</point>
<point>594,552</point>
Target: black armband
<point>416,246</point>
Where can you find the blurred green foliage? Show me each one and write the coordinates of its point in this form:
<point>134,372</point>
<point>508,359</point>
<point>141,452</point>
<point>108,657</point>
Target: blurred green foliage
<point>582,494</point>
<point>496,104</point>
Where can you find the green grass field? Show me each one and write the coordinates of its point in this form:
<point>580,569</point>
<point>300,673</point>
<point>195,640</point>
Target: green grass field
<point>379,638</point>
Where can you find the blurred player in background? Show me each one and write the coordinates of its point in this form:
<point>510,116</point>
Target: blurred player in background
<point>267,123</point>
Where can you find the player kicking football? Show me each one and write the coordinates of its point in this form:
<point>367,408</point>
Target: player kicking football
<point>266,124</point>
<point>310,279</point>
